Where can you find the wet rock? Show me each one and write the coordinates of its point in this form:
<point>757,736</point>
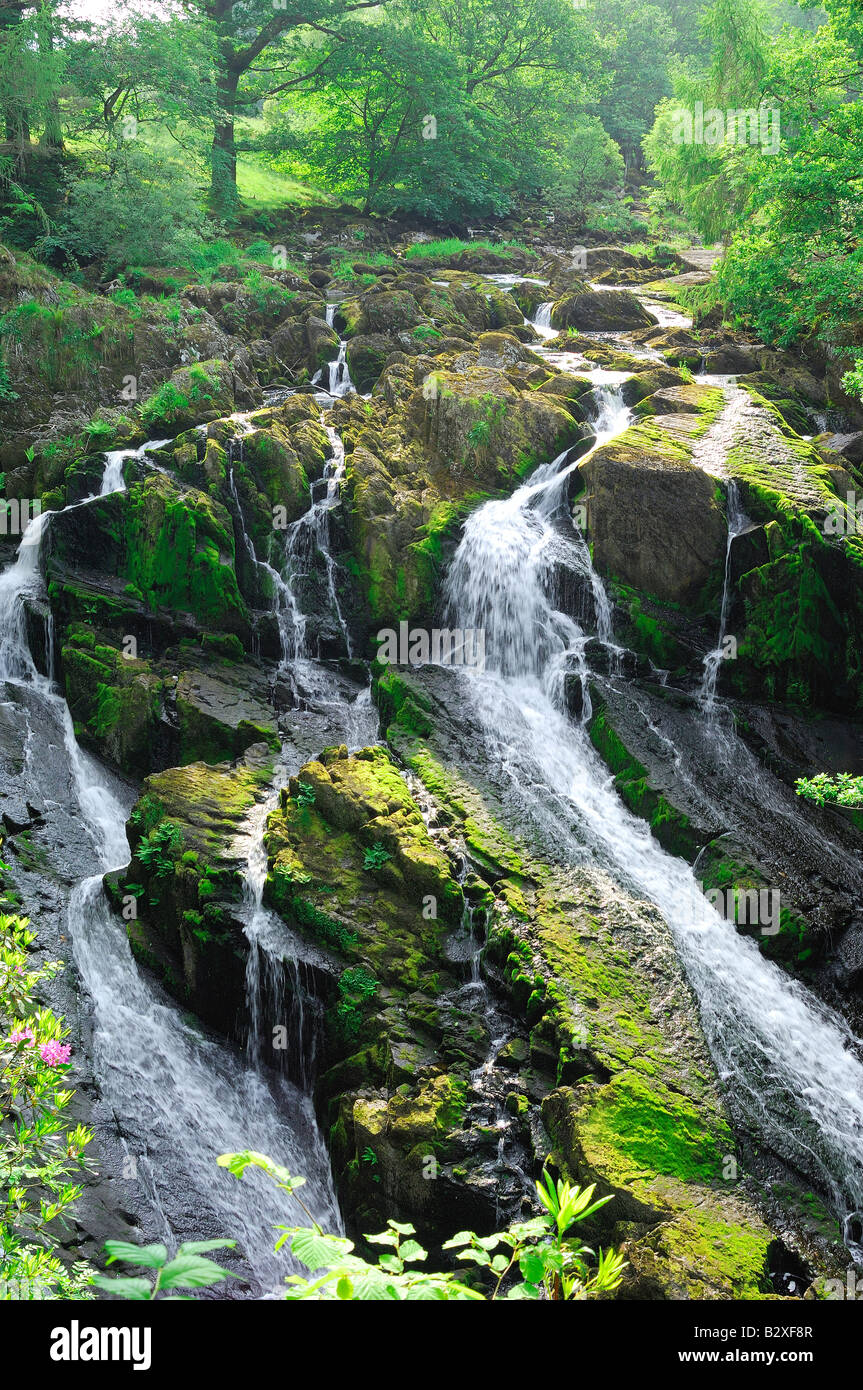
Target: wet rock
<point>596,311</point>
<point>323,343</point>
<point>670,535</point>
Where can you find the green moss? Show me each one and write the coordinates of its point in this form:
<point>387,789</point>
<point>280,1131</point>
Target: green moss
<point>179,553</point>
<point>638,1127</point>
<point>670,826</point>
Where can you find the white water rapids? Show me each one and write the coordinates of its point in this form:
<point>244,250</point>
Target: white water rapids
<point>180,1097</point>
<point>790,1064</point>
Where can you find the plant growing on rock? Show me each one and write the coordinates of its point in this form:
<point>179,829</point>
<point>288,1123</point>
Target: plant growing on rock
<point>305,795</point>
<point>536,1259</point>
<point>157,850</point>
<point>843,789</point>
<point>551,1264</point>
<point>376,856</point>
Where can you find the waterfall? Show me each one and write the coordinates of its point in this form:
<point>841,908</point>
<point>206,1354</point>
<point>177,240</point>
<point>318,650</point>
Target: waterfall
<point>339,377</point>
<point>309,537</point>
<point>790,1063</point>
<point>179,1097</point>
<point>113,479</point>
<point>541,320</point>
<point>737,523</point>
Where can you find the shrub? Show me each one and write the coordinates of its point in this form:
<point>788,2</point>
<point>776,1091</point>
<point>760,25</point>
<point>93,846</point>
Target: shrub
<point>535,1259</point>
<point>39,1152</point>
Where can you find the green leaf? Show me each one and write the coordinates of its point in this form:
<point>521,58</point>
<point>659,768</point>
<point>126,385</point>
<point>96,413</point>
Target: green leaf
<point>532,1267</point>
<point>147,1256</point>
<point>412,1251</point>
<point>315,1250</point>
<point>238,1163</point>
<point>344,1288</point>
<point>192,1272</point>
<point>128,1288</point>
<point>461,1238</point>
<point>383,1238</point>
<point>200,1247</point>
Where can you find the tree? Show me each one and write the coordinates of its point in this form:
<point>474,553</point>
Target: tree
<point>30,75</point>
<point>250,62</point>
<point>448,110</point>
<point>638,41</point>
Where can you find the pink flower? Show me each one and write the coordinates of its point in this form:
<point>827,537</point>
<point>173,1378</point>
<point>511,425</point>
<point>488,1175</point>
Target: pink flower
<point>19,1035</point>
<point>55,1053</point>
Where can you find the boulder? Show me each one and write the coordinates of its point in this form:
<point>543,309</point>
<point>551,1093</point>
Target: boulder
<point>600,311</point>
<point>653,517</point>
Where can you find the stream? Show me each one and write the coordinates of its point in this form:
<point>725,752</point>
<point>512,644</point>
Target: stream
<point>180,1096</point>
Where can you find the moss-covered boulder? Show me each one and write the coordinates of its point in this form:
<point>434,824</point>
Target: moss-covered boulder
<point>115,699</point>
<point>432,443</point>
<point>181,893</point>
<point>655,519</point>
<point>202,391</point>
<point>353,867</point>
<point>600,311</point>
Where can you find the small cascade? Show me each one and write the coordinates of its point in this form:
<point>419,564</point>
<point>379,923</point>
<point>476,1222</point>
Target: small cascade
<point>308,539</point>
<point>283,1010</point>
<point>21,582</point>
<point>541,320</point>
<point>791,1065</point>
<point>113,479</point>
<point>338,373</point>
<point>179,1098</point>
<point>738,521</point>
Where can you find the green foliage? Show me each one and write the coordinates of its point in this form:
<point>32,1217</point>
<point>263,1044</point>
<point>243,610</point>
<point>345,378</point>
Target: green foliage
<point>157,852</point>
<point>843,789</point>
<point>41,1153</point>
<point>452,246</point>
<point>305,795</point>
<point>793,266</point>
<point>536,1259</point>
<point>504,80</point>
<point>852,381</point>
<point>135,208</point>
<point>187,1269</point>
<point>375,857</point>
<point>357,987</point>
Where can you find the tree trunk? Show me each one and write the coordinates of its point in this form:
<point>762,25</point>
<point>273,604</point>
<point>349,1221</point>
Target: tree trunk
<point>223,162</point>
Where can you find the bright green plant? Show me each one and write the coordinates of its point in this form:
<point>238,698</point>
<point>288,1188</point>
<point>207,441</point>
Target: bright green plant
<point>376,856</point>
<point>844,789</point>
<point>40,1153</point>
<point>551,1264</point>
<point>188,1269</point>
<point>305,795</point>
<point>852,381</point>
<point>537,1258</point>
<point>156,852</point>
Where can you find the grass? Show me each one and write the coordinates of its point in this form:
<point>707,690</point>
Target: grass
<point>451,246</point>
<point>263,188</point>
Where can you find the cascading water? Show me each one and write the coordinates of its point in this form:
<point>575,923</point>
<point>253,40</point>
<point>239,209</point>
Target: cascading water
<point>272,956</point>
<point>791,1065</point>
<point>737,523</point>
<point>308,539</point>
<point>541,320</point>
<point>338,373</point>
<point>179,1098</point>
